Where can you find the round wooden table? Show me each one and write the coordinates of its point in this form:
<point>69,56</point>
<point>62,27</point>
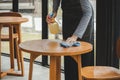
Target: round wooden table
<point>12,22</point>
<point>53,49</point>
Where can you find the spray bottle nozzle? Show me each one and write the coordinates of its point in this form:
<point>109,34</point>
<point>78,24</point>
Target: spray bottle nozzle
<point>51,15</point>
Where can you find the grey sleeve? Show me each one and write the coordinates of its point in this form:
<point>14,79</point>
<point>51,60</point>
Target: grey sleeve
<point>87,13</point>
<point>56,4</point>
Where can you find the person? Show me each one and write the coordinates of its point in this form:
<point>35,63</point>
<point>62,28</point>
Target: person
<point>77,24</point>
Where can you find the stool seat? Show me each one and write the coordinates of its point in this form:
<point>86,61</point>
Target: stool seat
<point>100,73</point>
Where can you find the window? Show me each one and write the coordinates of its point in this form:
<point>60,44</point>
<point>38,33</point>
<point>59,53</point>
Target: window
<point>32,29</point>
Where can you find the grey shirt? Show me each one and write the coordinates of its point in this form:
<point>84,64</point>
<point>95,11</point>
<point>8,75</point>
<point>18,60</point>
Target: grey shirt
<point>87,13</point>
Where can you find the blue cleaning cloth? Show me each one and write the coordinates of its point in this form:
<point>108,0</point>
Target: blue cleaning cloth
<point>66,45</point>
<point>76,44</point>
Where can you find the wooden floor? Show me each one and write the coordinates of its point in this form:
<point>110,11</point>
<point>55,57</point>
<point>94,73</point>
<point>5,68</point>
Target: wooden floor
<point>39,72</point>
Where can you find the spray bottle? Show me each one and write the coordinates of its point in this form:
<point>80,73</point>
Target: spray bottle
<point>53,27</point>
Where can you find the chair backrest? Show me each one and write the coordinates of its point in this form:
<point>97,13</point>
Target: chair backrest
<point>16,14</point>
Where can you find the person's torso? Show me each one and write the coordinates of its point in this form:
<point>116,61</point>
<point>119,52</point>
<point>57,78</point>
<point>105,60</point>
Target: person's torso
<point>71,6</point>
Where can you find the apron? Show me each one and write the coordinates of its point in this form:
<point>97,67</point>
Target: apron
<point>72,14</point>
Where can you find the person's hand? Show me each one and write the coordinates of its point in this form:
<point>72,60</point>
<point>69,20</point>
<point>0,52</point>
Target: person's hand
<point>51,18</point>
<point>71,39</point>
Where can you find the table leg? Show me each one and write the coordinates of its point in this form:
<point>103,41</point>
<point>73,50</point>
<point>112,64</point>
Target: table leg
<point>11,46</point>
<point>18,56</point>
<point>79,67</point>
<point>20,53</point>
<point>32,58</point>
<point>78,60</point>
<point>55,68</point>
<point>0,51</point>
<point>2,74</point>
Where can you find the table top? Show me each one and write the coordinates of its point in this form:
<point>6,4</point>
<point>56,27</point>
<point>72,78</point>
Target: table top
<point>12,20</point>
<point>53,48</point>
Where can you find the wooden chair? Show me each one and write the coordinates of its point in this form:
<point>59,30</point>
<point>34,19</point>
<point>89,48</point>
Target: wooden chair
<point>15,36</point>
<point>102,72</point>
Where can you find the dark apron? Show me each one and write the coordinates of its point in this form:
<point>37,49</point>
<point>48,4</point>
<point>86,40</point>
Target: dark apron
<point>72,14</point>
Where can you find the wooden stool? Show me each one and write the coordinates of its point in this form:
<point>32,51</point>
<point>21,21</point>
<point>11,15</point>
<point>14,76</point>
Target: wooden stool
<point>16,38</point>
<point>100,73</point>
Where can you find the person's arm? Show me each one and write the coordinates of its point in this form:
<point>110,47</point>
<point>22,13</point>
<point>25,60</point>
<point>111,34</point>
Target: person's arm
<point>56,4</point>
<point>81,28</point>
<point>87,13</point>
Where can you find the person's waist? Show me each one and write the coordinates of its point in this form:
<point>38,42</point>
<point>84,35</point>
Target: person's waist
<point>71,8</point>
<point>72,12</point>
